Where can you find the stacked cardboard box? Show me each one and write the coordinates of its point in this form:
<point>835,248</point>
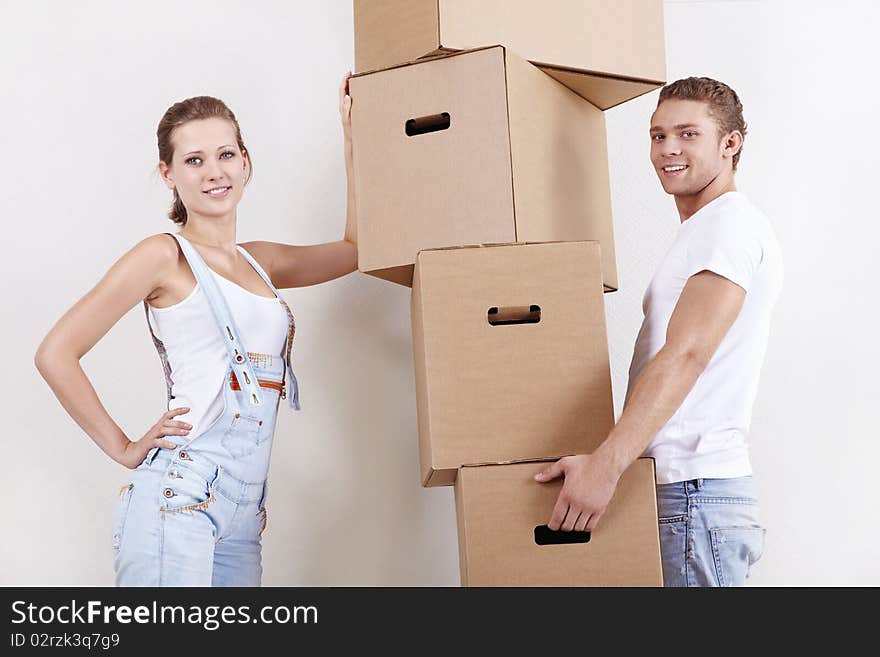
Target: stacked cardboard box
<point>481,177</point>
<point>608,51</point>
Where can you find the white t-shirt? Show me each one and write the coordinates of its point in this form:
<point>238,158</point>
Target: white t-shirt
<point>707,437</point>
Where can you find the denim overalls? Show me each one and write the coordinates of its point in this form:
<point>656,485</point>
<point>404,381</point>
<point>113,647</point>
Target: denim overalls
<point>193,516</point>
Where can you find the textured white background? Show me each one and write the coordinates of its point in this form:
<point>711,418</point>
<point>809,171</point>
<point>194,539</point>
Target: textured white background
<point>83,86</point>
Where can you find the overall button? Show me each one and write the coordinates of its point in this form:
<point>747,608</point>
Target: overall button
<point>168,492</point>
<point>184,456</point>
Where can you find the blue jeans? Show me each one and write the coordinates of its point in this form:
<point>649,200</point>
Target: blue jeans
<point>710,533</point>
<point>194,515</point>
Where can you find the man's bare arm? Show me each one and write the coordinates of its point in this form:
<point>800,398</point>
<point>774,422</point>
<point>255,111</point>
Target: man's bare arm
<point>707,308</point>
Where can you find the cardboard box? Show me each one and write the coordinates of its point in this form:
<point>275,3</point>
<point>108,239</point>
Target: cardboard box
<point>510,355</point>
<point>608,51</point>
<point>474,148</point>
<point>499,508</point>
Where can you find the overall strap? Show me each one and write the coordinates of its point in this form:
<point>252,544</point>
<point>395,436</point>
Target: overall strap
<point>241,365</point>
<point>293,397</point>
<point>163,356</point>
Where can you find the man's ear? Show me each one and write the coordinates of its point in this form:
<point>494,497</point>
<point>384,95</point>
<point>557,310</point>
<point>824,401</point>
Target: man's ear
<point>731,144</point>
<point>165,173</point>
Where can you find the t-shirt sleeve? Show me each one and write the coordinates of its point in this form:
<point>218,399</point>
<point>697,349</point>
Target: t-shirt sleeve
<point>728,245</point>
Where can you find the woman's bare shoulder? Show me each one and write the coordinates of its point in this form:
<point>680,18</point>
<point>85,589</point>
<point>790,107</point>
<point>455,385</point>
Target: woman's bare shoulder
<point>150,262</point>
<point>161,246</point>
<point>264,253</point>
<point>156,253</point>
<point>157,258</point>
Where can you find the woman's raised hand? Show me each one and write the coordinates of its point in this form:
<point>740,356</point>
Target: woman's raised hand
<point>345,106</point>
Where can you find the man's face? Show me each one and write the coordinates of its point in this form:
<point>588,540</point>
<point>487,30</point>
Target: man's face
<point>687,150</point>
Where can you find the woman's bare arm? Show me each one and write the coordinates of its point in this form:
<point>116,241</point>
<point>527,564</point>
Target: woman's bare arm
<point>130,280</point>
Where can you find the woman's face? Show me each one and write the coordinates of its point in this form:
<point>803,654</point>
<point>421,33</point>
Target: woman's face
<point>208,169</point>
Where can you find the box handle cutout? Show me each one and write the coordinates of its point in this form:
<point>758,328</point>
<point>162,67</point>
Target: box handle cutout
<point>425,124</point>
<point>498,316</point>
<point>546,536</point>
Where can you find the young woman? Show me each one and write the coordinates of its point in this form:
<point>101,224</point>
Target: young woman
<point>194,508</point>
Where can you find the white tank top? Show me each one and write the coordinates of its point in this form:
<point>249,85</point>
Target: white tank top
<point>197,354</point>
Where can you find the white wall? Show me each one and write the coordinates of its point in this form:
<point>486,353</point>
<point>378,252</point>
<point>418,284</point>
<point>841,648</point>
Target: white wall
<point>83,87</point>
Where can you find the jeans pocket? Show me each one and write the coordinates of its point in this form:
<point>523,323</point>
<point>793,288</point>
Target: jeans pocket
<point>261,508</point>
<point>243,435</point>
<point>264,495</point>
<point>189,492</point>
<point>673,549</point>
<point>735,550</point>
<point>148,459</point>
<point>120,514</point>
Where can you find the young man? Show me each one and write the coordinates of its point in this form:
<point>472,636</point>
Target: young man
<point>697,358</point>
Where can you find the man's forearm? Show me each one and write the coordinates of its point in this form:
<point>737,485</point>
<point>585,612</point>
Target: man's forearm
<point>658,393</point>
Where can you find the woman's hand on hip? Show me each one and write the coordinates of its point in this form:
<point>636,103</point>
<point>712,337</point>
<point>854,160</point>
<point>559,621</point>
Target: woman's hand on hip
<point>136,451</point>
